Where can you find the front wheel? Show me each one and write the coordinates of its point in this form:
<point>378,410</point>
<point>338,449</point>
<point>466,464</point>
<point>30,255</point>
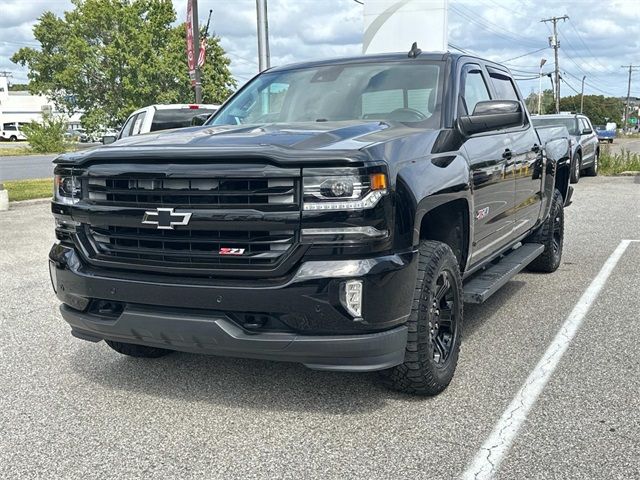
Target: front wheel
<point>435,324</point>
<point>551,235</point>
<point>140,351</point>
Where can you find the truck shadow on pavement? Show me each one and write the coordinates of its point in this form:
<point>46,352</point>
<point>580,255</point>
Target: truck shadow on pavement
<point>257,384</point>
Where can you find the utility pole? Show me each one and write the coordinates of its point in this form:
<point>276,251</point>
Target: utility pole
<point>582,94</point>
<point>264,61</point>
<point>626,106</point>
<point>555,44</point>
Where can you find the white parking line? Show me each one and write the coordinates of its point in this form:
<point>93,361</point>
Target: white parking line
<point>492,452</point>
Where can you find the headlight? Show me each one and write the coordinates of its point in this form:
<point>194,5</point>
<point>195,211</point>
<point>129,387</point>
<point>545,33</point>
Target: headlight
<point>345,192</point>
<point>67,189</point>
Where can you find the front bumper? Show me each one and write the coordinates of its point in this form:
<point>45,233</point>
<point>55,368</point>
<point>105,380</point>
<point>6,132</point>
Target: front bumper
<point>204,316</point>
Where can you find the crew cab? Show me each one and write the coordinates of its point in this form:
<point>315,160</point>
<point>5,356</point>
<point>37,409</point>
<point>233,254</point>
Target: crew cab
<point>160,117</point>
<point>585,146</point>
<point>335,213</point>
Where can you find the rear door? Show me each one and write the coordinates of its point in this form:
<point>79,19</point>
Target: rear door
<point>527,155</point>
<point>589,141</point>
<point>491,168</point>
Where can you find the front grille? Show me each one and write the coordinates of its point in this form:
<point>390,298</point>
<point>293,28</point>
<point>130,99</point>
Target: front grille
<point>236,223</point>
<point>257,193</point>
<point>199,248</point>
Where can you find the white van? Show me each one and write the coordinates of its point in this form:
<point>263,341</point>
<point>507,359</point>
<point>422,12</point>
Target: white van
<point>162,117</point>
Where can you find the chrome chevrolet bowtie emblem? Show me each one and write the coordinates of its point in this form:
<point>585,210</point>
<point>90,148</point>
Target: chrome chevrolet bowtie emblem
<point>165,218</point>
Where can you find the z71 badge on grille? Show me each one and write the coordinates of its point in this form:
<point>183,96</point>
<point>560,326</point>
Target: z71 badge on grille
<point>165,218</point>
<point>231,251</point>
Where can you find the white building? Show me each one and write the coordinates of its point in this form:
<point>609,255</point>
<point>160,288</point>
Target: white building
<point>22,106</point>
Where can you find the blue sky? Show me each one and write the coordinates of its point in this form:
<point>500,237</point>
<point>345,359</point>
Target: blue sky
<point>598,38</point>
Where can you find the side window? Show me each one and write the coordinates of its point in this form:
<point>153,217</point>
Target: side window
<point>503,86</point>
<point>473,89</point>
<point>584,124</point>
<point>126,130</point>
<point>137,124</point>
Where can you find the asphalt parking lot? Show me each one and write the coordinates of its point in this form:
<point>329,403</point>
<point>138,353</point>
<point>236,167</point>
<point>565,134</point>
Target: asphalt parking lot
<point>72,409</point>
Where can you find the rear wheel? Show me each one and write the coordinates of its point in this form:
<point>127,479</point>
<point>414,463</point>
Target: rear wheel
<point>575,169</point>
<point>435,324</point>
<point>592,171</point>
<point>551,235</point>
<point>140,351</point>
<point>13,138</point>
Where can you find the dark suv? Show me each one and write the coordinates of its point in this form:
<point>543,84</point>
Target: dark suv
<point>334,213</point>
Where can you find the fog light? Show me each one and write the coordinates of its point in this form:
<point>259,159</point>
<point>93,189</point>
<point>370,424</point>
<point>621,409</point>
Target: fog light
<point>351,297</point>
<point>53,274</point>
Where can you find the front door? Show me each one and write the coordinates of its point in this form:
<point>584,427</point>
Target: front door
<point>491,164</point>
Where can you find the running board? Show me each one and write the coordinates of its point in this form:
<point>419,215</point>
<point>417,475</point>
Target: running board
<point>487,282</point>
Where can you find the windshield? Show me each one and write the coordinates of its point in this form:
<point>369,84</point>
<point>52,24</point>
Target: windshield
<point>570,122</point>
<point>404,92</point>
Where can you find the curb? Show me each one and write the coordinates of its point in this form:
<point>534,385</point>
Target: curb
<point>33,201</point>
<point>630,173</point>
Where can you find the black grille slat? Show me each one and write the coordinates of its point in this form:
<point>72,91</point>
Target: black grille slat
<point>262,193</point>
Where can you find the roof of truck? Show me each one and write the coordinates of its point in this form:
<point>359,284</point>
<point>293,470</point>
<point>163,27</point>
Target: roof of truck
<point>379,57</point>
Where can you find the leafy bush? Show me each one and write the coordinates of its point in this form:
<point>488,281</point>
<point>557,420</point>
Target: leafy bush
<point>613,164</point>
<point>47,136</point>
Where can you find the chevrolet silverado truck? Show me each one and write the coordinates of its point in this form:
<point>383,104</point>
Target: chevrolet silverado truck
<point>336,213</point>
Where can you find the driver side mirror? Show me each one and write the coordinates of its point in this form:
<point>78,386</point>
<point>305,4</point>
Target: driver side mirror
<point>492,115</point>
<point>587,131</point>
<point>107,139</point>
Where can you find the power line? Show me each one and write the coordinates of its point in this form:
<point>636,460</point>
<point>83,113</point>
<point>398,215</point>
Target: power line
<point>524,55</point>
<point>491,27</point>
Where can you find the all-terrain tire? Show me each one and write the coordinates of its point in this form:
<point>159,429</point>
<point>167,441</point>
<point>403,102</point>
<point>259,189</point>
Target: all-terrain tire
<point>426,370</point>
<point>592,171</point>
<point>575,169</point>
<point>551,235</point>
<point>140,351</point>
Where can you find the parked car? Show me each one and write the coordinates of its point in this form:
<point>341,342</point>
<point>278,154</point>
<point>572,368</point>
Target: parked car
<point>160,117</point>
<point>585,146</point>
<point>12,132</point>
<point>604,134</point>
<point>334,213</point>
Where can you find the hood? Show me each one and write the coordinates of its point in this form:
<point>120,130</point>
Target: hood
<point>288,140</point>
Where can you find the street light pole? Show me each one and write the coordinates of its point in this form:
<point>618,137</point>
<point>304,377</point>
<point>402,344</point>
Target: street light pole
<point>542,62</point>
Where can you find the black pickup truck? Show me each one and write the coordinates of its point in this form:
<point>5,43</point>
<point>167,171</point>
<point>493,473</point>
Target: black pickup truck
<point>334,213</point>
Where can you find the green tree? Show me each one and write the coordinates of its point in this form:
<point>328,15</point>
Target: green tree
<point>47,135</point>
<point>598,108</point>
<point>110,57</point>
<point>547,104</point>
<point>17,87</point>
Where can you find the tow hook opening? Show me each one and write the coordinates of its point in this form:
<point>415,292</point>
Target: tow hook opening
<point>106,308</point>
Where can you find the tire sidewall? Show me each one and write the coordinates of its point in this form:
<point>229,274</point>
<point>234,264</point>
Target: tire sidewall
<point>556,212</point>
<point>441,373</point>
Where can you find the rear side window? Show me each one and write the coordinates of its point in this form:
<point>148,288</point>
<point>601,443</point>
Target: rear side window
<point>473,90</point>
<point>165,118</point>
<point>504,88</point>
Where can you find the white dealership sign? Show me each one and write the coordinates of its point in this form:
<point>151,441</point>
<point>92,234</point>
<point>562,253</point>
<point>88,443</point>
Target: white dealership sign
<point>393,25</point>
